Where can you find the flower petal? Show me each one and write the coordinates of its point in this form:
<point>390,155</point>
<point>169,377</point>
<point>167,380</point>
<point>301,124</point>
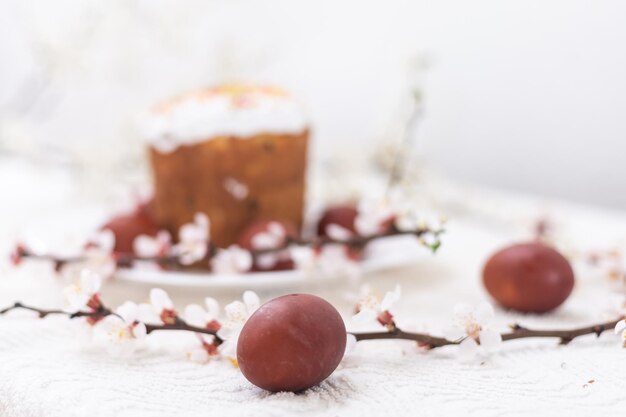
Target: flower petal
<point>365,316</point>
<point>454,333</point>
<point>267,260</point>
<point>484,313</point>
<point>198,355</point>
<point>90,282</point>
<point>620,326</point>
<point>145,245</point>
<point>462,311</point>
<point>350,344</point>
<point>337,232</point>
<point>213,307</point>
<point>366,224</point>
<point>129,312</point>
<point>202,221</point>
<point>105,240</point>
<point>468,349</point>
<point>140,331</point>
<point>303,257</point>
<point>263,240</point>
<point>277,230</point>
<point>252,301</point>
<point>489,338</point>
<point>227,332</point>
<point>390,299</point>
<point>160,300</point>
<point>195,315</point>
<point>236,312</point>
<point>243,259</point>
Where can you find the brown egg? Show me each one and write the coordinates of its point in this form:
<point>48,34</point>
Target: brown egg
<point>127,227</point>
<point>528,277</point>
<point>291,343</point>
<point>247,238</point>
<point>342,215</point>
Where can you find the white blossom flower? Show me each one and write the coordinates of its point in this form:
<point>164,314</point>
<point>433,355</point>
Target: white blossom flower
<point>334,261</point>
<point>371,309</point>
<point>303,257</point>
<point>339,233</point>
<point>150,246</point>
<point>471,327</point>
<point>272,237</point>
<point>193,240</point>
<point>196,315</point>
<point>122,331</point>
<point>620,327</point>
<point>98,255</point>
<point>198,354</point>
<point>162,305</point>
<point>408,220</point>
<point>232,260</point>
<point>203,349</point>
<point>237,313</point>
<point>82,294</point>
<point>373,218</point>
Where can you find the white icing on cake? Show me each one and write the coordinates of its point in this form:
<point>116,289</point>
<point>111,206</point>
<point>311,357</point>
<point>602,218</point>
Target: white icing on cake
<point>231,110</point>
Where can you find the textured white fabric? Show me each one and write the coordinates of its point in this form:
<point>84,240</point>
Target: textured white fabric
<point>47,370</point>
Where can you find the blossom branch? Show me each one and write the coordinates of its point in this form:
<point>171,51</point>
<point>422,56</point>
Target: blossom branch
<point>517,332</point>
<point>181,325</point>
<point>174,260</point>
<point>42,313</point>
<point>355,241</point>
<point>102,312</point>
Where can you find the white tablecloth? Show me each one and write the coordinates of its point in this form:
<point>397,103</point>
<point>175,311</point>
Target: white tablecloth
<point>47,370</point>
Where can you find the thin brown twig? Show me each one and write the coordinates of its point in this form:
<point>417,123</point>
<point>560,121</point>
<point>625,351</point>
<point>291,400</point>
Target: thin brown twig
<point>423,339</point>
<point>357,242</point>
<point>517,332</point>
<point>102,312</point>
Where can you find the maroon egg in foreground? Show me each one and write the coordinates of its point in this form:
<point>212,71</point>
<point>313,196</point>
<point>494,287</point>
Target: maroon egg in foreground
<point>529,277</point>
<point>291,343</point>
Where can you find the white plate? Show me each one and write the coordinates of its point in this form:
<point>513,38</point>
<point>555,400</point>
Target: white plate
<point>381,254</point>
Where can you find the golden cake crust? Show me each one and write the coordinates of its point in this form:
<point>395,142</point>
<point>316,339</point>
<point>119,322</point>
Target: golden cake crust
<point>233,180</point>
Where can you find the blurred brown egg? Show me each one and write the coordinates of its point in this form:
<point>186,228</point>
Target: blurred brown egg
<point>127,227</point>
<point>342,215</point>
<point>291,343</point>
<point>267,234</point>
<point>528,277</point>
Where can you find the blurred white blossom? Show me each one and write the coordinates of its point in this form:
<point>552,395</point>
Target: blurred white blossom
<point>339,233</point>
<point>273,237</point>
<point>237,313</point>
<point>193,240</point>
<point>198,316</point>
<point>334,261</point>
<point>97,257</point>
<point>162,306</point>
<point>370,309</point>
<point>232,260</point>
<point>79,296</point>
<point>303,257</point>
<point>152,246</point>
<point>471,327</point>
<point>203,349</point>
<point>121,331</point>
<point>373,218</point>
